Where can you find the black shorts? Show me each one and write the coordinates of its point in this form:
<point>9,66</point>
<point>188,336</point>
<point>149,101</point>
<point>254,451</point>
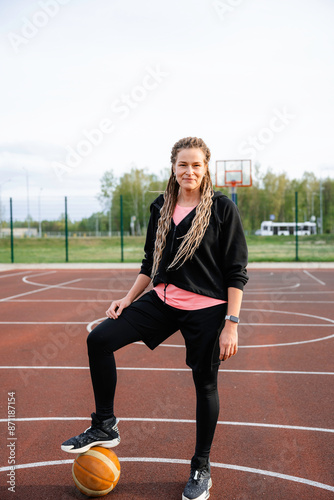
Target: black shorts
<point>155,321</point>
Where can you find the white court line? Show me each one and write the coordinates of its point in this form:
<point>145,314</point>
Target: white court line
<point>286,343</point>
<point>323,318</point>
<point>181,345</point>
<point>171,420</point>
<point>38,290</point>
<point>274,289</point>
<point>12,274</point>
<point>250,346</point>
<point>72,287</point>
<point>116,277</point>
<point>255,345</point>
<point>316,325</point>
<point>330,321</point>
<point>83,300</point>
<point>109,290</point>
<point>25,278</point>
<point>185,462</point>
<point>139,368</point>
<point>43,322</point>
<point>313,277</point>
<point>287,287</point>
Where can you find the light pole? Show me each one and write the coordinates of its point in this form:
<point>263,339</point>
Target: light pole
<point>39,214</point>
<point>321,212</point>
<point>312,204</point>
<point>110,215</point>
<point>28,209</point>
<point>96,225</point>
<point>8,180</point>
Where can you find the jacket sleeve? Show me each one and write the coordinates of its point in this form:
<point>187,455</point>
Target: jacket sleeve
<point>235,252</point>
<point>147,262</point>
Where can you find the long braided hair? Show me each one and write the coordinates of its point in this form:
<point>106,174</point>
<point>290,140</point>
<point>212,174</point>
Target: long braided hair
<point>194,236</point>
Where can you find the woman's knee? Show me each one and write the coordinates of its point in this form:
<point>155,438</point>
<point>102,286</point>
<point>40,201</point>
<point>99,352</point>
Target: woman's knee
<point>206,382</point>
<point>111,335</point>
<point>99,336</point>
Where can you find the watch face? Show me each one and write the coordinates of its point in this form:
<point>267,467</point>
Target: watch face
<point>233,318</point>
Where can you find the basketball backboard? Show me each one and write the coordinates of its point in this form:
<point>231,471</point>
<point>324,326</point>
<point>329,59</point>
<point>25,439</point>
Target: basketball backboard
<point>233,173</point>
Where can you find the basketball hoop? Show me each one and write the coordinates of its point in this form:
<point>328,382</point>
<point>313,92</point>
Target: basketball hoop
<point>233,174</point>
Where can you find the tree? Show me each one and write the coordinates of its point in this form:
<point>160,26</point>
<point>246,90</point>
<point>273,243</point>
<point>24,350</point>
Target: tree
<point>270,193</point>
<point>108,185</point>
<point>328,205</point>
<point>138,189</point>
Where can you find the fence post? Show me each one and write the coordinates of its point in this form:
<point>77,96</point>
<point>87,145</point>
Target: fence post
<point>122,229</point>
<point>321,211</point>
<point>66,230</point>
<point>11,231</point>
<point>296,220</point>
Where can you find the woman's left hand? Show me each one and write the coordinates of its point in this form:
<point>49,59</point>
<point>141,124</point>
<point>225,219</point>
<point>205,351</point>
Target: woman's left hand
<point>228,341</point>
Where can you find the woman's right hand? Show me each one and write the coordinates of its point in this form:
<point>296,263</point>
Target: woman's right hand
<point>117,306</point>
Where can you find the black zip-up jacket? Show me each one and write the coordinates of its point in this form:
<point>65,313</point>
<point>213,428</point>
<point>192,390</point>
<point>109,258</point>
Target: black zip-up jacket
<point>218,263</point>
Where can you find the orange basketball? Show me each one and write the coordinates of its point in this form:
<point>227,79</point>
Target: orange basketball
<point>96,472</point>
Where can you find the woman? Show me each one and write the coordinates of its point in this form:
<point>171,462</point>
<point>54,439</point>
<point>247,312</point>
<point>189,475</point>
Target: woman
<point>196,256</point>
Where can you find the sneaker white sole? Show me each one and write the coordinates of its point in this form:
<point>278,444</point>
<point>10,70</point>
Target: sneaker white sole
<point>104,444</point>
<point>205,495</point>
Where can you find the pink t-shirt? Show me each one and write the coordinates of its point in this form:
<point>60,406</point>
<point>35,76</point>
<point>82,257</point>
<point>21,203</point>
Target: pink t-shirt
<point>177,297</point>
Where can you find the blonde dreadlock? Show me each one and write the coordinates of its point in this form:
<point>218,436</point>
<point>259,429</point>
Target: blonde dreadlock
<point>194,236</point>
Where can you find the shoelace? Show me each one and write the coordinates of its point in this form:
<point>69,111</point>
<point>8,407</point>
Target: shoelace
<point>197,475</point>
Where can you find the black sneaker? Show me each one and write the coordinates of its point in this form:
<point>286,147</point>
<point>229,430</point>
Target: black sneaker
<point>103,433</point>
<point>197,488</point>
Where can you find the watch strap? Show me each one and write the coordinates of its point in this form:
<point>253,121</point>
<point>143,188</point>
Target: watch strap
<point>234,319</point>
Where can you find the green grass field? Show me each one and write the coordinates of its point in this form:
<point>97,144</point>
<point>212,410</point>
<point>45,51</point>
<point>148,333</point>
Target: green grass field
<point>261,249</point>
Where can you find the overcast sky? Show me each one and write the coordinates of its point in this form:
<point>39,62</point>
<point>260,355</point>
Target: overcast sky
<point>88,86</point>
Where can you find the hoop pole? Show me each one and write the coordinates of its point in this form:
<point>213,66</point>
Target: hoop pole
<point>234,195</point>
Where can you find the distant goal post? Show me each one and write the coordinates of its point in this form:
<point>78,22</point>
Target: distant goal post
<point>233,173</point>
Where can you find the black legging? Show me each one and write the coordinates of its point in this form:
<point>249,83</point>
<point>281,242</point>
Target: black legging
<point>104,340</point>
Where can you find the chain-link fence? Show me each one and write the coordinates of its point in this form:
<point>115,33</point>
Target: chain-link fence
<point>71,229</point>
<point>83,229</point>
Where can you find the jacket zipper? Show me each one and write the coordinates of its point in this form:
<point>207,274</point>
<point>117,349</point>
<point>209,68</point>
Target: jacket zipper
<point>171,251</point>
<point>173,239</point>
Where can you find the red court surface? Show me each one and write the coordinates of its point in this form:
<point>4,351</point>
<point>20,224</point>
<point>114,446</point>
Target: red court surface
<point>274,439</point>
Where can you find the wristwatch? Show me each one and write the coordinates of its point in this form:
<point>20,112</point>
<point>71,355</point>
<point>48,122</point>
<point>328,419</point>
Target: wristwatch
<point>232,318</point>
